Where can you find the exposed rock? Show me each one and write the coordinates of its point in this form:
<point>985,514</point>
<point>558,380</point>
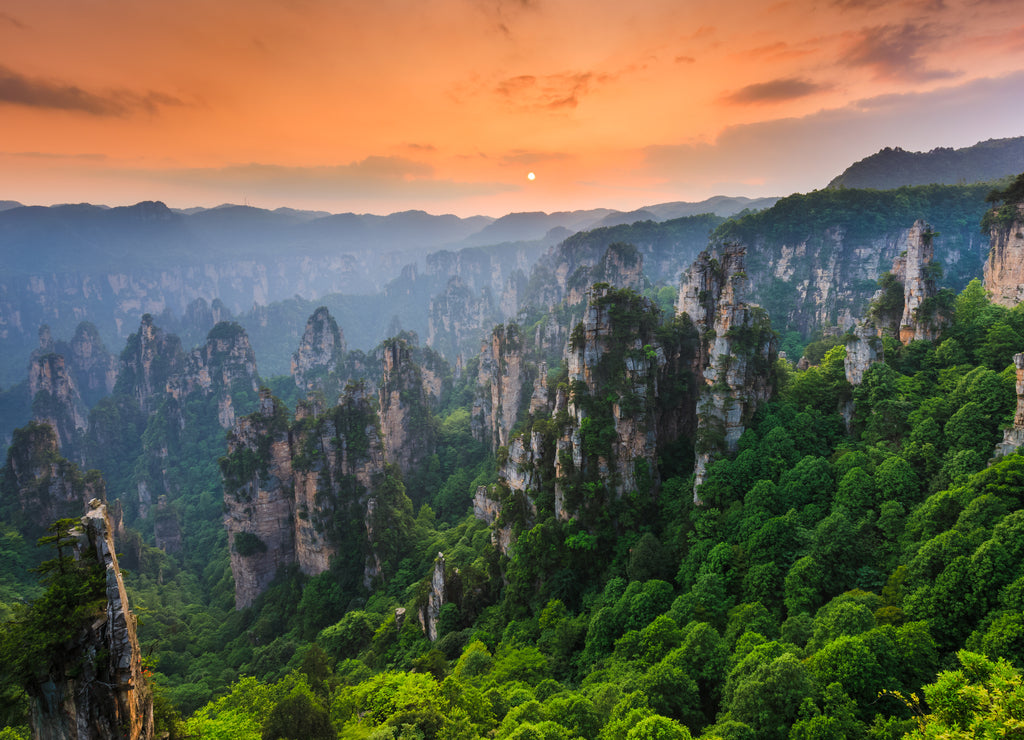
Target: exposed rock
<point>487,508</point>
<point>55,397</point>
<point>435,599</point>
<point>320,351</point>
<point>501,375</point>
<point>94,368</point>
<point>404,409</point>
<point>621,266</point>
<point>287,486</point>
<point>150,357</point>
<point>914,269</point>
<point>96,687</point>
<point>863,349</point>
<point>47,486</point>
<point>1004,270</point>
<point>1013,438</point>
<point>457,317</point>
<point>736,353</point>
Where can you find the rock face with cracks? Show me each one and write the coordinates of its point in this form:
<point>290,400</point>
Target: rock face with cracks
<point>1013,438</point>
<point>1004,269</point>
<point>95,686</point>
<point>736,352</point>
<point>319,353</point>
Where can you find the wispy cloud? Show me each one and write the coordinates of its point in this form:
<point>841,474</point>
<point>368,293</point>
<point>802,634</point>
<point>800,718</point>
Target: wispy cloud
<point>551,92</point>
<point>774,91</point>
<point>10,20</point>
<point>896,52</point>
<point>33,92</point>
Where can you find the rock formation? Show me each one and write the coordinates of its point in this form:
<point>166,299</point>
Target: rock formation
<point>621,265</point>
<point>863,349</point>
<point>1004,269</point>
<point>501,376</point>
<point>1013,438</point>
<point>94,368</point>
<point>736,352</point>
<point>150,357</point>
<point>320,352</point>
<point>95,687</point>
<point>286,487</point>
<point>46,486</point>
<point>431,610</point>
<point>457,317</point>
<point>404,408</point>
<point>914,269</point>
<point>55,397</point>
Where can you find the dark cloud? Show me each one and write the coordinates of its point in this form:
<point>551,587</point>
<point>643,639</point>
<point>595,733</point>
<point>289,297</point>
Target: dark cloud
<point>552,92</point>
<point>18,89</point>
<point>774,91</point>
<point>896,52</point>
<point>683,59</point>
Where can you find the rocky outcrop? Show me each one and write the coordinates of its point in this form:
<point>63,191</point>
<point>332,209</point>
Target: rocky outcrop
<point>457,317</point>
<point>487,508</point>
<point>621,266</point>
<point>320,351</point>
<point>1013,438</point>
<point>225,363</point>
<point>501,376</point>
<point>287,487</point>
<point>55,397</point>
<point>94,368</point>
<point>46,486</point>
<point>916,271</point>
<point>96,687</point>
<point>1004,269</point>
<point>863,349</point>
<point>166,528</point>
<point>404,408</point>
<point>736,353</point>
<point>150,357</point>
<point>431,610</point>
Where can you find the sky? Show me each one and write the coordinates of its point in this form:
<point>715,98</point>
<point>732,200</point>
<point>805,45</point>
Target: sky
<point>447,105</point>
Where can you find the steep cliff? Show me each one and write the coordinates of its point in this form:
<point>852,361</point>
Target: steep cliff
<point>736,355</point>
<point>863,349</point>
<point>458,316</point>
<point>299,493</point>
<point>501,377</point>
<point>55,397</point>
<point>39,485</point>
<point>405,418</point>
<point>92,685</point>
<point>916,270</point>
<point>320,352</point>
<point>1004,269</point>
<point>1013,438</point>
<point>151,356</point>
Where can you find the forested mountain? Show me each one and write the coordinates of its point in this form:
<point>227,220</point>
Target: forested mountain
<point>893,167</point>
<point>624,516</point>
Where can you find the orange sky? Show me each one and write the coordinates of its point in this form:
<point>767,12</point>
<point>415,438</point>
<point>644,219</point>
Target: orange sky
<point>446,105</point>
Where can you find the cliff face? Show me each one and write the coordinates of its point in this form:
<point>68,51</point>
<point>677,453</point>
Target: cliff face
<point>95,368</point>
<point>286,487</point>
<point>404,408</point>
<point>150,357</point>
<point>46,485</point>
<point>55,397</point>
<point>1013,438</point>
<point>736,352</point>
<point>320,351</point>
<point>501,376</point>
<point>458,316</point>
<point>96,687</point>
<point>914,268</point>
<point>225,363</point>
<point>863,350</point>
<point>1004,269</point>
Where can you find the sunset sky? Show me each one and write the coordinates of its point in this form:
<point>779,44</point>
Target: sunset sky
<point>447,105</point>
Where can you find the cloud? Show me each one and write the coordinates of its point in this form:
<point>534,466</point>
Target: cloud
<point>12,21</point>
<point>774,91</point>
<point>895,52</point>
<point>551,92</point>
<point>521,156</point>
<point>800,154</point>
<point>389,178</point>
<point>18,89</point>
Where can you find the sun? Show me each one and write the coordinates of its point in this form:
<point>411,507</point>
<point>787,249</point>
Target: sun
<point>531,176</point>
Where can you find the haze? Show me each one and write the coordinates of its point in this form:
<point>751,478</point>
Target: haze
<point>446,106</point>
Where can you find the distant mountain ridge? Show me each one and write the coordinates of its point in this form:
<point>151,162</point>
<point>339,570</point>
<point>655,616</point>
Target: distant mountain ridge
<point>894,167</point>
